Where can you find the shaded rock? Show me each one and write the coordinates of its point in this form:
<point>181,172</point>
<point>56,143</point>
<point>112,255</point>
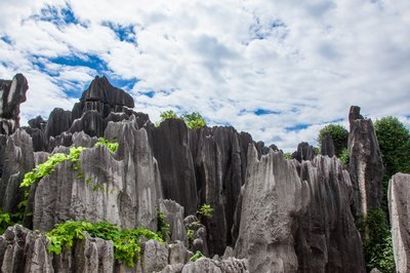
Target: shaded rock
<point>177,253</point>
<point>327,146</point>
<point>170,144</point>
<point>91,122</point>
<point>365,163</point>
<point>17,158</point>
<point>38,138</point>
<point>399,207</point>
<point>196,233</point>
<point>22,250</point>
<point>12,94</point>
<point>59,121</point>
<point>272,198</point>
<point>37,123</point>
<point>327,239</point>
<point>154,257</point>
<point>304,152</point>
<point>174,215</point>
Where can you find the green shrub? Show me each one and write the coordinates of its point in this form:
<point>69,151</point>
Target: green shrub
<point>344,157</point>
<point>377,241</point>
<point>127,242</point>
<point>194,120</point>
<point>5,221</point>
<point>163,227</point>
<point>198,254</point>
<point>287,156</point>
<point>111,146</point>
<point>339,135</point>
<point>206,211</point>
<point>168,115</point>
<point>49,166</point>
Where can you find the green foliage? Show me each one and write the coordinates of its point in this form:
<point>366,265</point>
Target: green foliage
<point>110,145</point>
<point>198,254</point>
<point>394,142</point>
<point>49,166</point>
<point>339,135</point>
<point>377,242</point>
<point>168,115</point>
<point>194,120</point>
<point>206,211</point>
<point>127,242</point>
<point>5,221</point>
<point>287,156</point>
<point>190,235</point>
<point>163,227</point>
<point>344,157</point>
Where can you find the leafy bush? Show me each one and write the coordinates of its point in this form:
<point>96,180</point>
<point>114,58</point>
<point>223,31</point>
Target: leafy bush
<point>168,115</point>
<point>206,211</point>
<point>344,157</point>
<point>5,221</point>
<point>339,135</point>
<point>377,242</point>
<point>127,242</point>
<point>287,156</point>
<point>111,146</point>
<point>194,120</point>
<point>49,166</point>
<point>198,254</point>
<point>163,227</point>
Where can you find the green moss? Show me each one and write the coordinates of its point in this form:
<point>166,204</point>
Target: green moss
<point>198,254</point>
<point>127,242</point>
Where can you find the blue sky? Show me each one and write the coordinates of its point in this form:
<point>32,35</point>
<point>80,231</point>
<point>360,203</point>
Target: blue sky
<point>279,69</point>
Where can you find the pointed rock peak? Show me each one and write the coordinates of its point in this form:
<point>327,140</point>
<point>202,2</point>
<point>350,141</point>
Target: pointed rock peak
<point>354,113</point>
<point>102,90</point>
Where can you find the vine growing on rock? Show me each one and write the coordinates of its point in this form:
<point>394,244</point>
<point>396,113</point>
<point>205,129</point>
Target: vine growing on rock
<point>163,226</point>
<point>127,242</point>
<point>198,254</point>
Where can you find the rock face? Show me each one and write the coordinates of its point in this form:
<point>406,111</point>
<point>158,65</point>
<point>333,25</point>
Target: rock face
<point>272,198</point>
<point>272,214</point>
<point>399,207</point>
<point>304,152</point>
<point>327,239</point>
<point>365,163</point>
<point>12,94</point>
<point>327,146</point>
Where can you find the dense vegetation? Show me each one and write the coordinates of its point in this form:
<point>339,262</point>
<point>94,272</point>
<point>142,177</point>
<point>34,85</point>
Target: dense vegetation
<point>339,135</point>
<point>127,242</point>
<point>192,121</point>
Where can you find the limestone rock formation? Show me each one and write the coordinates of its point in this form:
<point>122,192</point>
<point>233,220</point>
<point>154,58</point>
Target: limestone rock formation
<point>365,163</point>
<point>174,215</point>
<point>327,146</point>
<point>327,239</point>
<point>12,94</point>
<point>273,197</point>
<point>399,207</point>
<point>304,152</point>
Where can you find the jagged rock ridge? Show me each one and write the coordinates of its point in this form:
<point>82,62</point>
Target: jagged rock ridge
<point>279,215</point>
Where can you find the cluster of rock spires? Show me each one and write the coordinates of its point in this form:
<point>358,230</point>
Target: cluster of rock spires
<point>270,214</point>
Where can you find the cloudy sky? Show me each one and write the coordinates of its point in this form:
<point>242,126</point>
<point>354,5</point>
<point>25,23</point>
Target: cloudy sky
<point>279,69</point>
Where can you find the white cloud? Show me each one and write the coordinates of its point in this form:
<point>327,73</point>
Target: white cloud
<point>307,61</point>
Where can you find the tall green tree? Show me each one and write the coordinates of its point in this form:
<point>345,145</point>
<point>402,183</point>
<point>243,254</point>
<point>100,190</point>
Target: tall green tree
<point>339,135</point>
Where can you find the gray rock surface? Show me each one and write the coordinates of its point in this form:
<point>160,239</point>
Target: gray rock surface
<point>271,201</point>
<point>206,265</point>
<point>174,215</point>
<point>327,239</point>
<point>22,250</point>
<point>12,94</point>
<point>304,152</point>
<point>124,191</point>
<point>154,257</point>
<point>365,163</point>
<point>399,207</point>
<point>327,146</point>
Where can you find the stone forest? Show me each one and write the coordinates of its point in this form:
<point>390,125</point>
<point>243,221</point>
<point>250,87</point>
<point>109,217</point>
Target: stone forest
<point>103,189</point>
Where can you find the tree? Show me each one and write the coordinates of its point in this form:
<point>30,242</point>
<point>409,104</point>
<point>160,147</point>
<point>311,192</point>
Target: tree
<point>339,135</point>
<point>394,142</point>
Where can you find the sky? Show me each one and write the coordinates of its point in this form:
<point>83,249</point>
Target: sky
<point>278,69</point>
